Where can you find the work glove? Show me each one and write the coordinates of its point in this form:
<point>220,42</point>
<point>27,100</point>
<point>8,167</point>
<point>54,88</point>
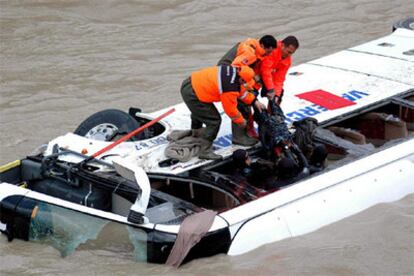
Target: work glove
<point>267,93</point>
<point>270,94</point>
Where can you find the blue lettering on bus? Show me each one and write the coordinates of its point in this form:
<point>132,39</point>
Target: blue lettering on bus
<point>151,143</point>
<point>354,95</point>
<point>295,115</point>
<point>223,141</point>
<point>304,112</point>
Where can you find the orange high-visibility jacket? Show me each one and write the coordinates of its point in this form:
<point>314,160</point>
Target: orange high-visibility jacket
<point>273,69</point>
<point>221,84</point>
<point>248,52</point>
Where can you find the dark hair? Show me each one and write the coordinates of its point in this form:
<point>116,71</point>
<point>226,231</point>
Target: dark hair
<point>286,168</point>
<point>291,40</point>
<point>268,41</point>
<point>239,158</point>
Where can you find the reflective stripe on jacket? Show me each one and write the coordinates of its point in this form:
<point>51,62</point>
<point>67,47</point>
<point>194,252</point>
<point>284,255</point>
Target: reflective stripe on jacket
<point>221,84</point>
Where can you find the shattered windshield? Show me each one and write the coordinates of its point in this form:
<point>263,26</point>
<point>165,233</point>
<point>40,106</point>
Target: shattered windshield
<point>62,228</point>
<point>67,230</point>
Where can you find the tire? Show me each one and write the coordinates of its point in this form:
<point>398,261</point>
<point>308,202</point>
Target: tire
<point>407,23</point>
<point>107,124</point>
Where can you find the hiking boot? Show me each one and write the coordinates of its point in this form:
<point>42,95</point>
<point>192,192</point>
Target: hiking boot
<point>197,132</point>
<point>207,151</point>
<point>240,136</point>
<point>209,155</point>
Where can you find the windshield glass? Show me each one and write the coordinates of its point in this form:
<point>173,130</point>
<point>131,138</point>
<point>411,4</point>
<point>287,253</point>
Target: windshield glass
<point>68,230</point>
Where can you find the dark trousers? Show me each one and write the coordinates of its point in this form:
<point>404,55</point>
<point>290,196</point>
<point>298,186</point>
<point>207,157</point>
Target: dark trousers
<point>201,113</point>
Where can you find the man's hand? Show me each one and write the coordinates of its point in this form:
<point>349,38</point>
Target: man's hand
<point>270,94</point>
<point>259,106</point>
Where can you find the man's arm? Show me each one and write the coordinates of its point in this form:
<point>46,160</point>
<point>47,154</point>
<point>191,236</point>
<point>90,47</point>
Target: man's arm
<point>280,75</point>
<point>229,103</point>
<point>266,72</point>
<point>250,99</point>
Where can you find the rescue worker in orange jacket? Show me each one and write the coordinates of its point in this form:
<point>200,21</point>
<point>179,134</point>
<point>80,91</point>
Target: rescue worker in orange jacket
<point>274,67</point>
<point>225,84</point>
<point>249,52</point>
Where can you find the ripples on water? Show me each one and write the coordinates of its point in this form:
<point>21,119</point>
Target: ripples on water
<point>64,60</point>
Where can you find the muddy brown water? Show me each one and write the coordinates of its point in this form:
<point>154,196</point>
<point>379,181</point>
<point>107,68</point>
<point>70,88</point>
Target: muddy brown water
<point>61,61</point>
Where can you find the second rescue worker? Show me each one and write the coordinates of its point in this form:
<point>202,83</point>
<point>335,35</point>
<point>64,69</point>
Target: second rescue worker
<point>274,67</point>
<point>225,84</point>
<point>249,52</point>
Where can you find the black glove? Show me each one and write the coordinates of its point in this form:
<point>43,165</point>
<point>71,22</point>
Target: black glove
<point>265,92</point>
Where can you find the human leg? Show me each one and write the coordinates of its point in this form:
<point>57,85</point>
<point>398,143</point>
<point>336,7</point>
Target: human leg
<point>202,113</point>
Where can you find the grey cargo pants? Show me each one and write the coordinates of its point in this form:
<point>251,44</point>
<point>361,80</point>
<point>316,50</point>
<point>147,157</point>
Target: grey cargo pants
<point>201,113</point>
